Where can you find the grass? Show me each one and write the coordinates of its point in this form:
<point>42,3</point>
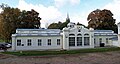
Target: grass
<point>41,53</point>
<point>1,40</point>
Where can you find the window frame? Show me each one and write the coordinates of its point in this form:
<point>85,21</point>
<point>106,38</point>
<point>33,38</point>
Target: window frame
<point>39,42</point>
<point>19,42</point>
<point>29,42</point>
<point>71,34</point>
<point>86,42</point>
<point>71,41</point>
<point>49,42</point>
<point>100,40</point>
<point>107,40</point>
<point>79,42</point>
<point>58,41</point>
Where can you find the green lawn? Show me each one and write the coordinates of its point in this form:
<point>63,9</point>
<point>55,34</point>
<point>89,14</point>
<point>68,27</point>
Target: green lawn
<point>80,51</point>
<point>1,40</point>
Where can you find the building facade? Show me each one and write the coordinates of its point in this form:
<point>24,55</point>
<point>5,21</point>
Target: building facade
<point>116,41</point>
<point>36,39</point>
<point>76,37</point>
<point>104,36</point>
<point>71,37</point>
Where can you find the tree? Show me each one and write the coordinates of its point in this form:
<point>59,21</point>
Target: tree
<point>13,18</point>
<point>102,19</point>
<point>29,19</point>
<point>81,25</point>
<point>53,26</point>
<point>59,25</point>
<point>8,18</point>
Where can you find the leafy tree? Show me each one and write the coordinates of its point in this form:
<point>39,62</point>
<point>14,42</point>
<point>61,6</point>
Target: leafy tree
<point>29,19</point>
<point>53,26</point>
<point>102,19</point>
<point>59,25</point>
<point>13,18</point>
<point>81,25</point>
<point>8,18</point>
<point>64,24</point>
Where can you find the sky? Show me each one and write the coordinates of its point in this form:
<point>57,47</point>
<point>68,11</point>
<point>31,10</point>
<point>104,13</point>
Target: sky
<point>56,10</point>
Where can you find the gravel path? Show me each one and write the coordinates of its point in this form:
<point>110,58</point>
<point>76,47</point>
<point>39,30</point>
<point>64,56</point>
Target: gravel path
<point>88,58</point>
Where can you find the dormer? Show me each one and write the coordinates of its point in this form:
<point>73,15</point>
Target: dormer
<point>71,25</point>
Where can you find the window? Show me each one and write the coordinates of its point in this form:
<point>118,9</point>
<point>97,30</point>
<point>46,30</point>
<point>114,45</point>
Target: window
<point>79,34</point>
<point>39,42</point>
<point>71,41</point>
<point>18,42</point>
<point>107,40</point>
<point>86,34</point>
<point>71,26</point>
<point>49,41</point>
<point>94,41</point>
<point>71,34</point>
<point>79,41</point>
<point>29,42</point>
<point>100,40</point>
<point>86,41</point>
<point>58,41</point>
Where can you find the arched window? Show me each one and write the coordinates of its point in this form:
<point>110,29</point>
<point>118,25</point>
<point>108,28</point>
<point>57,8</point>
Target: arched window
<point>86,39</point>
<point>71,34</point>
<point>79,34</point>
<point>86,34</point>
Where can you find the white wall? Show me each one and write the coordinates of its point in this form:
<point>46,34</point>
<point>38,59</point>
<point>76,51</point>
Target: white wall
<point>118,40</point>
<point>34,42</point>
<point>97,41</point>
<point>115,43</point>
<point>74,30</point>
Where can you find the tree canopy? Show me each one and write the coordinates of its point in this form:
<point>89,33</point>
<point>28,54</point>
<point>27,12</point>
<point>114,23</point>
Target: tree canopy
<point>102,19</point>
<point>13,18</point>
<point>29,19</point>
<point>59,25</point>
<point>8,19</point>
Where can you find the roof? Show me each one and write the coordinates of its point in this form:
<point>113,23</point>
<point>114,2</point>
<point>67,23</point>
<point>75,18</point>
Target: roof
<point>105,34</point>
<point>114,38</point>
<point>38,29</point>
<point>103,31</point>
<point>37,32</point>
<point>36,35</point>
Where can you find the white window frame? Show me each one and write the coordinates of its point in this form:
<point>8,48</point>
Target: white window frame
<point>58,41</point>
<point>49,42</point>
<point>29,42</point>
<point>39,42</point>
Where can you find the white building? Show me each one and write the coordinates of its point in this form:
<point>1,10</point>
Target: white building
<point>104,36</point>
<point>76,37</point>
<point>71,37</point>
<point>36,39</point>
<point>116,41</point>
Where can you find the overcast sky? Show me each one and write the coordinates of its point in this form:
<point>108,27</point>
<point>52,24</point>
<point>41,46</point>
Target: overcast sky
<point>56,10</point>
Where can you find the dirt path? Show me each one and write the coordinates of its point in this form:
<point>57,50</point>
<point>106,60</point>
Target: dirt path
<point>88,58</point>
